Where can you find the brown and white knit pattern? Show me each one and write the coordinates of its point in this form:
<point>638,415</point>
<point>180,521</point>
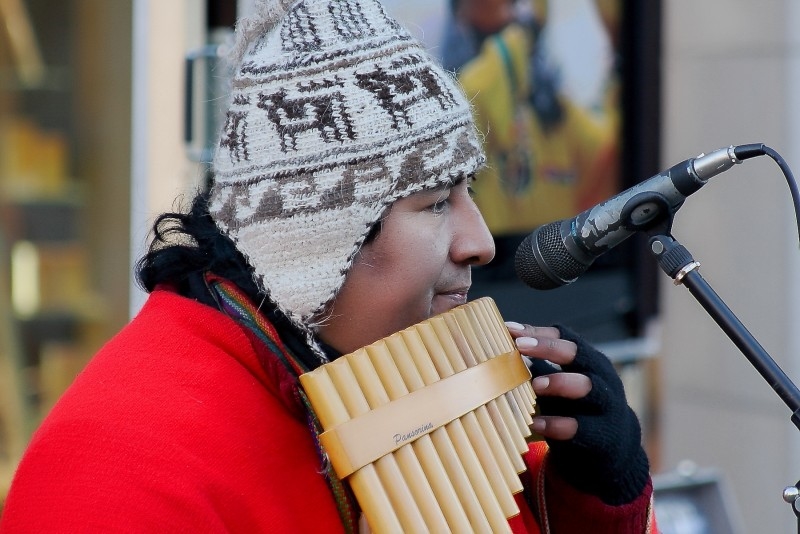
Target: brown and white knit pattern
<point>335,113</point>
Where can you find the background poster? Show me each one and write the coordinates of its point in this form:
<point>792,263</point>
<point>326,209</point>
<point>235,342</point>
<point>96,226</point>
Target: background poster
<point>545,92</point>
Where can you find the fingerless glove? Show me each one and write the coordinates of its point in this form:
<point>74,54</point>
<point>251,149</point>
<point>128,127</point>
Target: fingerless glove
<point>606,457</point>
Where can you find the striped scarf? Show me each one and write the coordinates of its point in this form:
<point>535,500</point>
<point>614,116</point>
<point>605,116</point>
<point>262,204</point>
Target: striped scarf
<point>233,302</point>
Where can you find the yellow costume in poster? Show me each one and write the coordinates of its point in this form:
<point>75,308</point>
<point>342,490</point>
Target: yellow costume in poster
<point>535,173</point>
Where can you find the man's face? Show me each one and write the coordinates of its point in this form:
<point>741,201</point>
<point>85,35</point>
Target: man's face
<point>418,266</point>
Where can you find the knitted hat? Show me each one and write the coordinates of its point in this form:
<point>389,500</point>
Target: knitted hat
<point>335,113</point>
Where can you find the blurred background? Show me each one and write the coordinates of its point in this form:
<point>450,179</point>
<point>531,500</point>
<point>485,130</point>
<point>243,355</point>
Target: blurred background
<point>106,112</point>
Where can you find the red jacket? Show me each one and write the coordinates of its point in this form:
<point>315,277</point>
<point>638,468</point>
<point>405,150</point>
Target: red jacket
<point>175,426</point>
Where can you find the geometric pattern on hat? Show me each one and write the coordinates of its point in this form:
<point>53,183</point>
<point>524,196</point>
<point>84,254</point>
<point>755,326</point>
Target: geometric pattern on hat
<point>335,112</point>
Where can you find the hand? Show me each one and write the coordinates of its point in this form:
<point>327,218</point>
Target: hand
<point>542,347</point>
<point>594,436</point>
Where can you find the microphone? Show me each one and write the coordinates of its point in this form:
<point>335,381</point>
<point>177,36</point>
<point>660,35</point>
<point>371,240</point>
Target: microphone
<point>556,253</point>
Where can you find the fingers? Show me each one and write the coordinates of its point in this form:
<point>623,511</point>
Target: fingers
<point>542,343</point>
<point>526,330</point>
<point>564,385</point>
<point>546,345</point>
<point>560,428</point>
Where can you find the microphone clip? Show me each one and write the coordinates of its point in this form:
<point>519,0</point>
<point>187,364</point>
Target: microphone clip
<point>648,211</point>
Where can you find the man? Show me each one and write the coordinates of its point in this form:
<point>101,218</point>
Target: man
<point>340,213</point>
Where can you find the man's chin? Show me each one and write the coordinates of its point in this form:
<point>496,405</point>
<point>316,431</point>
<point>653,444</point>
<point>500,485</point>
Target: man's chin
<point>445,302</point>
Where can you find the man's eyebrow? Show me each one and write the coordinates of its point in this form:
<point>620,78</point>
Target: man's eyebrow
<point>449,185</point>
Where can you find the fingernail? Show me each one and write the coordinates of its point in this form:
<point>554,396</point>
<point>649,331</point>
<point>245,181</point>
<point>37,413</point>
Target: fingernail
<point>540,383</point>
<point>537,425</point>
<point>511,325</point>
<point>526,342</point>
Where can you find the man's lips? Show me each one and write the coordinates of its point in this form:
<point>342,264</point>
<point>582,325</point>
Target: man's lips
<point>457,295</point>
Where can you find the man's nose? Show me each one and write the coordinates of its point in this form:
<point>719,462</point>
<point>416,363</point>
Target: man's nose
<point>473,243</point>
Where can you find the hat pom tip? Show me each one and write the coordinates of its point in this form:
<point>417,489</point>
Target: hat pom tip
<point>265,15</point>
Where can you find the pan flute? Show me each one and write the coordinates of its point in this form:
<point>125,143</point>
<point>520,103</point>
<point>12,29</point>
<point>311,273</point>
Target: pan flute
<point>429,424</point>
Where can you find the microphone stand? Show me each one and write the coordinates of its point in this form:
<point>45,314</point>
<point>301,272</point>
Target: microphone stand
<point>676,261</point>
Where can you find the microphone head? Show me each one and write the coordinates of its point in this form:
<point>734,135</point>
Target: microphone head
<point>543,261</point>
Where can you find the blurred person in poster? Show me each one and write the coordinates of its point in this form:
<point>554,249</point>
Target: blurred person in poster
<point>548,157</point>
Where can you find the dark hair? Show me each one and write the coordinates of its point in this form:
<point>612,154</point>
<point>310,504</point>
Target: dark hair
<point>187,245</point>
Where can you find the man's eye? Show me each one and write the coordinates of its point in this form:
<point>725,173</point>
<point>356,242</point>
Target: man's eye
<point>440,205</point>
